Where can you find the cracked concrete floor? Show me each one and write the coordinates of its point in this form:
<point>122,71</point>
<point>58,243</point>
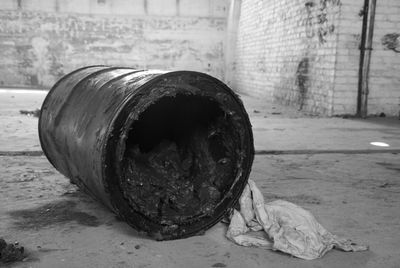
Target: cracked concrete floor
<point>352,195</point>
<point>62,227</point>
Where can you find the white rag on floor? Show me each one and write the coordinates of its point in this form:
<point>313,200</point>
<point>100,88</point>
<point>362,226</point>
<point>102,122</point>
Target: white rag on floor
<point>288,227</point>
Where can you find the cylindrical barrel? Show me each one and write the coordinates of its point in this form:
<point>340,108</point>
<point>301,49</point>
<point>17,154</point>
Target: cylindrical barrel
<point>168,152</point>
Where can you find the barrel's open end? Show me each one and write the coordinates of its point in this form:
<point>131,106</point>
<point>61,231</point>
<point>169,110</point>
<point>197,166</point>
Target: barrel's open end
<point>180,159</point>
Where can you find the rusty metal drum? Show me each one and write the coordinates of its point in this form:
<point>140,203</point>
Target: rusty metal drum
<point>168,152</point>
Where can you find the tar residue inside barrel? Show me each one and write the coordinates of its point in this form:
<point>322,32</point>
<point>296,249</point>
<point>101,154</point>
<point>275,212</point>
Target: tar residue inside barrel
<point>180,159</point>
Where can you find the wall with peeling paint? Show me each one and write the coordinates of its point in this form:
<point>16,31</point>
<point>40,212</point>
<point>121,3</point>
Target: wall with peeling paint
<point>384,82</point>
<point>286,51</point>
<point>384,79</point>
<point>348,57</point>
<point>42,40</point>
<point>305,53</point>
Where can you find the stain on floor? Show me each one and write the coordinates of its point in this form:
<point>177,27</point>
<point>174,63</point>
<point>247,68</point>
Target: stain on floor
<point>219,264</point>
<point>54,213</point>
<point>389,166</point>
<point>297,199</point>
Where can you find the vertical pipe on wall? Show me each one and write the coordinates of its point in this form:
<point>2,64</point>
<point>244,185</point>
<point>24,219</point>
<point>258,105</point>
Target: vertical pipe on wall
<point>365,56</point>
<point>145,6</point>
<point>178,7</point>
<point>230,42</point>
<point>57,6</point>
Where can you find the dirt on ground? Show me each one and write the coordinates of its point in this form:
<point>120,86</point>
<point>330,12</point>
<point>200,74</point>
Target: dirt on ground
<point>352,195</point>
<point>10,252</point>
<point>61,227</point>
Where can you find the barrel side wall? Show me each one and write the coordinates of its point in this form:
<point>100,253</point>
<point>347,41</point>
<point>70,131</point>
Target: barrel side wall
<point>76,119</point>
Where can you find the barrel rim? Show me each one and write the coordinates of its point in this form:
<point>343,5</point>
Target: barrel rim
<point>113,131</point>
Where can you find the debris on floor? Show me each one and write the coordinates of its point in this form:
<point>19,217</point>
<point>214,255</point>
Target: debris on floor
<point>289,228</point>
<point>10,252</point>
<point>34,113</point>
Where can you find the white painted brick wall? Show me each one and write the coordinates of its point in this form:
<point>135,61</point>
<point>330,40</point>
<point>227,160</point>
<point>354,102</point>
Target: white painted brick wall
<point>384,81</point>
<point>274,36</point>
<point>275,39</point>
<point>348,57</point>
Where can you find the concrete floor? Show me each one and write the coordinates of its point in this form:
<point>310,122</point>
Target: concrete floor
<point>356,195</point>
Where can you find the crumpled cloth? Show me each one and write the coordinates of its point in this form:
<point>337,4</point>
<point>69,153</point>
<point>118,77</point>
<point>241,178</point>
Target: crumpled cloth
<point>286,227</point>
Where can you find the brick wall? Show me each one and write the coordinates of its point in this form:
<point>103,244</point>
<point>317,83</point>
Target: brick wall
<point>348,57</point>
<point>384,82</point>
<point>306,54</point>
<point>384,79</point>
<point>42,40</point>
<point>286,51</point>
<point>303,53</point>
